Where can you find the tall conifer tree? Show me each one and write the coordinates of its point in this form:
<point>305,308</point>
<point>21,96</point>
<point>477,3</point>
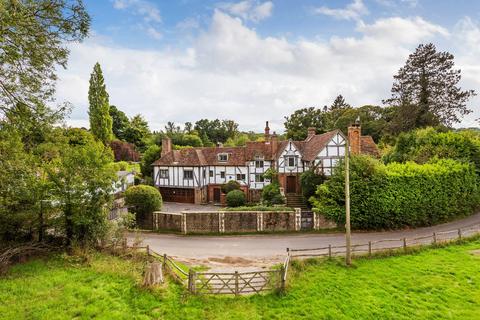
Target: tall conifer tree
<point>99,109</point>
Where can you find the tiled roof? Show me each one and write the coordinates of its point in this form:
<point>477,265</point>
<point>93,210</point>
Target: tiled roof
<point>238,156</point>
<point>316,144</point>
<point>368,146</point>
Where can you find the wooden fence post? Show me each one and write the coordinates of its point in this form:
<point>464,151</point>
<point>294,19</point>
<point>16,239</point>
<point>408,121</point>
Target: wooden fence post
<point>405,244</point>
<point>329,250</point>
<point>460,234</point>
<point>165,261</point>
<point>369,248</point>
<point>191,281</point>
<point>282,278</point>
<point>124,244</point>
<point>148,250</point>
<point>236,283</point>
<point>434,238</point>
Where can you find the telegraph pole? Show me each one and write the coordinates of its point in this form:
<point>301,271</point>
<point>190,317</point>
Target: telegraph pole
<point>348,236</point>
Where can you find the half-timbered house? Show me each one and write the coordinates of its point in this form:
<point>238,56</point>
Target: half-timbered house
<point>195,175</point>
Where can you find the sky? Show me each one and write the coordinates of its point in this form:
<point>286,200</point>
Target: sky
<point>254,60</point>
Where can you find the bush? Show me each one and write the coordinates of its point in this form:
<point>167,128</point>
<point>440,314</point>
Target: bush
<point>230,186</point>
<point>144,200</point>
<point>399,195</point>
<point>235,198</point>
<point>310,180</point>
<point>424,145</point>
<point>271,194</point>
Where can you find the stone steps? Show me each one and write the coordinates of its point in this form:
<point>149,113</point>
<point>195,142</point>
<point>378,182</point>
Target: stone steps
<point>295,201</point>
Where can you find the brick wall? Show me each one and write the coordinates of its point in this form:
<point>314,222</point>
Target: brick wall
<point>202,222</point>
<point>278,221</point>
<point>168,221</point>
<point>240,221</point>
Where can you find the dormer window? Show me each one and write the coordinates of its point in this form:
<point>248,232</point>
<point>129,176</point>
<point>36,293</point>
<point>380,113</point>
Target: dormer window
<point>291,161</point>
<point>222,157</point>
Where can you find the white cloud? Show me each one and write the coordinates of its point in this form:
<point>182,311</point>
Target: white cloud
<point>147,10</point>
<point>154,33</point>
<point>230,71</point>
<point>352,11</point>
<point>141,7</point>
<point>252,10</point>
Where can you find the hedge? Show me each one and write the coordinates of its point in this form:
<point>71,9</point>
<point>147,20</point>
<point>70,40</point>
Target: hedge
<point>144,200</point>
<point>399,195</point>
<point>235,198</point>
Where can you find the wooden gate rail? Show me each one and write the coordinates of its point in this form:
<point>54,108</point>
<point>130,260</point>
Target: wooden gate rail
<point>235,282</point>
<point>386,244</point>
<point>217,282</point>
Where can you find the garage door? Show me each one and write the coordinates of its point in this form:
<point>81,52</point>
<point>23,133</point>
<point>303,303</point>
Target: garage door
<point>178,195</point>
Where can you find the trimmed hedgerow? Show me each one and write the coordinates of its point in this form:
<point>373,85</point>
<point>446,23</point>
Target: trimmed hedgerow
<point>399,195</point>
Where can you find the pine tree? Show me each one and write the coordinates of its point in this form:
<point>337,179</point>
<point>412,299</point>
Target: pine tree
<point>99,110</point>
<point>425,91</point>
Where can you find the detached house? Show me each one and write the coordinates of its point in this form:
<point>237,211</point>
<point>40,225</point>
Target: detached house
<point>195,175</point>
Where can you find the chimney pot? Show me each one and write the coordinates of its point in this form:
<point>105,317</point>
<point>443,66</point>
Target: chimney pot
<point>267,131</point>
<point>311,132</point>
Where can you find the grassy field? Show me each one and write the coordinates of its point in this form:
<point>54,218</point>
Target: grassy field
<point>432,284</point>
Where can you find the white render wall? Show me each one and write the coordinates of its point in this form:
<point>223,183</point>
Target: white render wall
<point>327,159</point>
<point>290,151</point>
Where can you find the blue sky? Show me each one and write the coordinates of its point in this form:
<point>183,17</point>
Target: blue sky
<point>255,60</point>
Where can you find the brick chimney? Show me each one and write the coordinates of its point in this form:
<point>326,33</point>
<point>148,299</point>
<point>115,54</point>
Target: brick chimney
<point>354,133</point>
<point>267,131</point>
<point>274,143</point>
<point>166,146</point>
<point>311,132</point>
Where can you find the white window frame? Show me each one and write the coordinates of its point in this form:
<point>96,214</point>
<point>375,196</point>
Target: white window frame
<point>185,175</point>
<point>259,164</point>
<point>220,157</point>
<point>259,177</point>
<point>163,174</point>
<point>287,161</point>
<point>222,174</point>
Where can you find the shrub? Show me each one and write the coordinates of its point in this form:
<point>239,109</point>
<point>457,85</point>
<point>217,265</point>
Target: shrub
<point>424,145</point>
<point>230,186</point>
<point>235,198</point>
<point>310,180</point>
<point>277,199</point>
<point>398,195</point>
<point>144,200</point>
<point>271,194</point>
<point>149,156</point>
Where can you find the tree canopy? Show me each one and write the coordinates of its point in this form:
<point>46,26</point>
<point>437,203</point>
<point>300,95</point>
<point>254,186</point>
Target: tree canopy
<point>99,108</point>
<point>425,91</point>
<point>33,42</point>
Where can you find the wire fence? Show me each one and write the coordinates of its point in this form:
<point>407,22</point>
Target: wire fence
<point>257,281</point>
<point>371,247</point>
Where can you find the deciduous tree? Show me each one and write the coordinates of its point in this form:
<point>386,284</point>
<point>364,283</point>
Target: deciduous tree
<point>33,42</point>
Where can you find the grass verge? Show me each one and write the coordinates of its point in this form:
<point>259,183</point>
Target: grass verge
<point>437,283</point>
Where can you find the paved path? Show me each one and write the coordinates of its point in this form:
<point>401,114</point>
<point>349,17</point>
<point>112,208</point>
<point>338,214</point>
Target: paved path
<point>265,250</point>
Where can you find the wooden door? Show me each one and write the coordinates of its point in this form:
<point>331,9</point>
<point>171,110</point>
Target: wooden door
<point>291,184</point>
<point>216,194</point>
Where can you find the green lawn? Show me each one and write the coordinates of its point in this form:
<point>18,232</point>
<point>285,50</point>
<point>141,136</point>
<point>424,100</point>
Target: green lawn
<point>433,284</point>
